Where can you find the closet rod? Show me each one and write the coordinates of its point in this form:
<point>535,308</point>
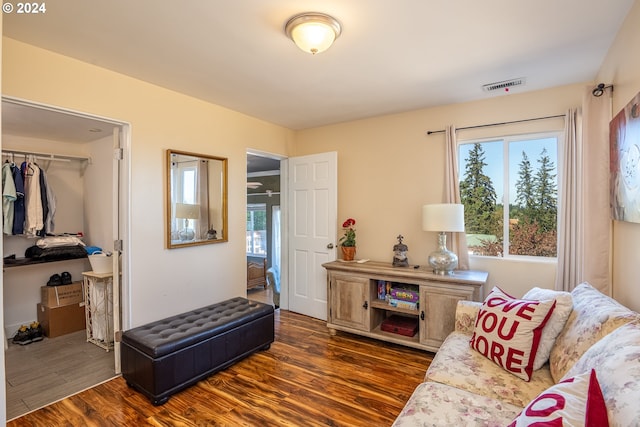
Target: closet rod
<point>46,156</point>
<point>431,132</point>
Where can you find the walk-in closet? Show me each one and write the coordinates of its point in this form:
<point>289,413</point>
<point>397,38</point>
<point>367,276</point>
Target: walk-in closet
<point>75,154</point>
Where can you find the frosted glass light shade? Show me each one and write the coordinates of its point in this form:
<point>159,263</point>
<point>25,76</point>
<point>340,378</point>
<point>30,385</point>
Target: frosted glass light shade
<point>313,32</point>
<point>443,217</point>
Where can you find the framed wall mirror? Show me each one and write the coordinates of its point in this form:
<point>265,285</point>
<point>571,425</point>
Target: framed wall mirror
<point>196,199</point>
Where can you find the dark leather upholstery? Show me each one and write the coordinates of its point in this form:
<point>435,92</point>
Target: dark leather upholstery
<point>168,355</point>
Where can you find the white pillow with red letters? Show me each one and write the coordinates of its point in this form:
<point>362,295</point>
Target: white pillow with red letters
<point>508,330</point>
<point>576,401</point>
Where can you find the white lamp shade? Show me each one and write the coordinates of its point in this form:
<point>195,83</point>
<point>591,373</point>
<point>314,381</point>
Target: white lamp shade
<point>313,32</point>
<point>443,217</point>
<point>186,211</point>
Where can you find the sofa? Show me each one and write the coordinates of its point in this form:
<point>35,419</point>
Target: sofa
<point>593,367</point>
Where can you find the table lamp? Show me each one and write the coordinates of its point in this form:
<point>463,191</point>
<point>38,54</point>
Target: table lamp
<point>187,212</point>
<point>443,218</point>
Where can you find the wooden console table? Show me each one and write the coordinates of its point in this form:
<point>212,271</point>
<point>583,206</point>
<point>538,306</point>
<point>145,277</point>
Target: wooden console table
<point>354,304</point>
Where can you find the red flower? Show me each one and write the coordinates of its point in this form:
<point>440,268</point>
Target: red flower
<point>349,222</point>
<point>349,238</point>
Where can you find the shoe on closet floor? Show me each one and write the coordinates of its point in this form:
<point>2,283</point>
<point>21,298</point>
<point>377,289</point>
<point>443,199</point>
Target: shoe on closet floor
<point>22,337</point>
<point>35,332</point>
<point>66,278</point>
<point>54,280</point>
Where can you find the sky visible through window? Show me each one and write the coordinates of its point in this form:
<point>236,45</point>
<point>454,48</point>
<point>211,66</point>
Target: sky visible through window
<point>493,157</point>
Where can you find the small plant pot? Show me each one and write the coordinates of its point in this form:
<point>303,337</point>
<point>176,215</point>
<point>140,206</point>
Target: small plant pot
<point>348,253</point>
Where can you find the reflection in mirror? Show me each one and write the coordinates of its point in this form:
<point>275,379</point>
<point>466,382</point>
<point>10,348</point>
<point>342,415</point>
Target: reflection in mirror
<point>196,199</point>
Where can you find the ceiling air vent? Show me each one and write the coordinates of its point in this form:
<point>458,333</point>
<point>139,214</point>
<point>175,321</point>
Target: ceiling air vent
<point>504,85</point>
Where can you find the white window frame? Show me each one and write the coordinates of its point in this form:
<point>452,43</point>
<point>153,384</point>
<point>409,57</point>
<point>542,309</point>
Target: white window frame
<point>258,207</point>
<point>506,140</point>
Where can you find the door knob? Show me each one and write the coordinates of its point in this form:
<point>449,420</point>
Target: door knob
<point>330,246</point>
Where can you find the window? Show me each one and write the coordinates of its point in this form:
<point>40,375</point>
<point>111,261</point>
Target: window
<point>509,189</point>
<point>257,230</point>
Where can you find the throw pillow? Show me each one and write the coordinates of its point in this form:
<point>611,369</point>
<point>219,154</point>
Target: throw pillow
<point>577,401</point>
<point>507,331</point>
<point>617,359</point>
<point>594,315</point>
<point>564,306</point>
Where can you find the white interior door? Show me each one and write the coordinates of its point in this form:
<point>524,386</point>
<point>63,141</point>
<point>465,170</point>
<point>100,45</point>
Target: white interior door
<point>312,198</point>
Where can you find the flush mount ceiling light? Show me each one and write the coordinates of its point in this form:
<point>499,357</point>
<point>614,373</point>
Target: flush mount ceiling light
<point>313,32</point>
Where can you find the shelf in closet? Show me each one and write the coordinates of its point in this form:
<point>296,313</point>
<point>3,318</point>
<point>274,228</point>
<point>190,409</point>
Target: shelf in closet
<point>21,262</point>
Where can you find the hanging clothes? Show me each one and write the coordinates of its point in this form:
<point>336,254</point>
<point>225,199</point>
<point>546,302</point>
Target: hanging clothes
<point>49,204</point>
<point>18,205</point>
<point>34,221</point>
<point>8,198</point>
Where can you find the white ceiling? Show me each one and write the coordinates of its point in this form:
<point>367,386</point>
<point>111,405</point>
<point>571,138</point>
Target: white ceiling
<point>41,122</point>
<point>392,56</point>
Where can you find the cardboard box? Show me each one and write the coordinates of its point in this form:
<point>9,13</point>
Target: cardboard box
<point>61,320</point>
<point>54,296</point>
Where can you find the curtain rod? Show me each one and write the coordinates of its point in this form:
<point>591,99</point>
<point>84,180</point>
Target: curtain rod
<point>499,124</point>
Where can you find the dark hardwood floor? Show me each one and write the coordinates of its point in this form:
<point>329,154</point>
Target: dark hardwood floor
<point>306,378</point>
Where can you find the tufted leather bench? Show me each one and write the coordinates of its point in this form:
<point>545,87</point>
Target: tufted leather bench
<point>166,356</point>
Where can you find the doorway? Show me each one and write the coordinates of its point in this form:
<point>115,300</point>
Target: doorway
<point>77,151</point>
<point>263,231</point>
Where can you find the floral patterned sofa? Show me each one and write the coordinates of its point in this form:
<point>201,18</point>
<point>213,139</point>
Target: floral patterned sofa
<point>464,388</point>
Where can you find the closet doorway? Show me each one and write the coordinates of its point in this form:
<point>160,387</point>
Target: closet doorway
<point>83,158</point>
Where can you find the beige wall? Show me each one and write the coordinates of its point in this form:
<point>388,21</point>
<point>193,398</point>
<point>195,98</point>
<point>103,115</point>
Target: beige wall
<point>388,168</point>
<point>622,69</point>
<point>162,282</point>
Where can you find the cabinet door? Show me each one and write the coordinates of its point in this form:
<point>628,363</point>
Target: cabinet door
<point>439,307</point>
<point>349,301</point>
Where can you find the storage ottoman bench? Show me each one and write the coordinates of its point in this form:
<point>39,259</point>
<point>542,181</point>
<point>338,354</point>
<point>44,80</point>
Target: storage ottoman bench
<point>168,355</point>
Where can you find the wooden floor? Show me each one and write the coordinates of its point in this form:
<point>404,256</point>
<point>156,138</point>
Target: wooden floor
<point>306,378</point>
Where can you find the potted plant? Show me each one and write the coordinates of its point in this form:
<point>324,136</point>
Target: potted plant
<point>348,241</point>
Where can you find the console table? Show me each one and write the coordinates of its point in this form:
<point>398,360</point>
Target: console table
<point>355,304</point>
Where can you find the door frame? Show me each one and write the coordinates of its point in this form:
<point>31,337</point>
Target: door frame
<point>121,209</point>
<point>284,246</point>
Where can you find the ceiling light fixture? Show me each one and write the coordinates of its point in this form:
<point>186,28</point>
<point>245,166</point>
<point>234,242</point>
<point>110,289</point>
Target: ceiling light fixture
<point>313,32</point>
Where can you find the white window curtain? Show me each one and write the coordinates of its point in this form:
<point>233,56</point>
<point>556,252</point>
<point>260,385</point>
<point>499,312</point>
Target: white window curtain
<point>276,245</point>
<point>570,219</point>
<point>584,229</point>
<point>202,192</point>
<point>597,213</point>
<point>452,195</point>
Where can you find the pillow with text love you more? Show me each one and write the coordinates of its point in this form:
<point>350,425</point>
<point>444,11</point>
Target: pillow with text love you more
<point>508,330</point>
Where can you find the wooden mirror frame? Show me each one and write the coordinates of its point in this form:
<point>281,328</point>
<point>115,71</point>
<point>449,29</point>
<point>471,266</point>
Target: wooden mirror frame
<point>193,230</point>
